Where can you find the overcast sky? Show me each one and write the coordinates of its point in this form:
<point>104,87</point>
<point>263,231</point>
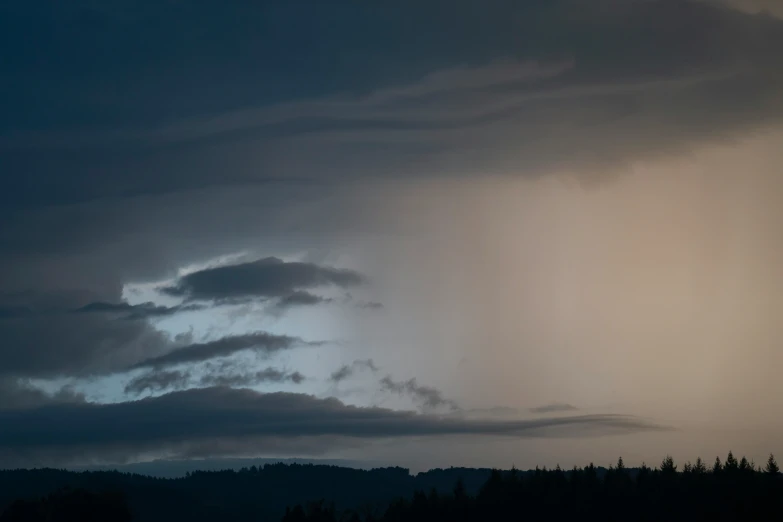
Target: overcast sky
<point>490,234</point>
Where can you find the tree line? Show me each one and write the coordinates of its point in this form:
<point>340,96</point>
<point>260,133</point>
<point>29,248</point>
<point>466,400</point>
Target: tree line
<point>730,490</point>
<point>251,494</point>
<point>734,489</point>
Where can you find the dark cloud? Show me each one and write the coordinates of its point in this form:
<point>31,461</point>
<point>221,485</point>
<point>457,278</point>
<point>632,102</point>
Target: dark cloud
<point>554,408</point>
<point>300,298</point>
<point>139,311</point>
<point>51,341</point>
<point>268,277</point>
<point>124,161</point>
<point>348,370</point>
<point>160,380</point>
<point>111,175</point>
<point>252,378</point>
<point>12,312</point>
<point>430,398</point>
<point>224,417</point>
<point>568,65</point>
<point>18,394</point>
<point>259,342</point>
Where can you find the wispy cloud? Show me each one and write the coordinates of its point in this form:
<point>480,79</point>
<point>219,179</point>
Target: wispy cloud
<point>224,375</point>
<point>158,381</point>
<point>139,311</point>
<point>267,375</point>
<point>430,398</point>
<point>347,370</point>
<point>300,298</point>
<point>554,408</point>
<point>260,342</point>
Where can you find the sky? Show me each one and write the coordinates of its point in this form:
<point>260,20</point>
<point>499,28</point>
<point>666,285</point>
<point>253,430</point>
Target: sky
<point>484,234</point>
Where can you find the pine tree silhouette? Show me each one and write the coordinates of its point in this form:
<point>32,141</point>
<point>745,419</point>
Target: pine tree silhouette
<point>772,467</point>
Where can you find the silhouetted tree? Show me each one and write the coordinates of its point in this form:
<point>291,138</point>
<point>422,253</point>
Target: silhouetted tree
<point>616,493</point>
<point>772,467</point>
<point>699,468</point>
<point>731,465</point>
<point>667,466</point>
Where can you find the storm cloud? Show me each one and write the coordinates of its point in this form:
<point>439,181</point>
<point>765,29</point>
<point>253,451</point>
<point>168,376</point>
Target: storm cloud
<point>552,86</point>
<point>195,416</point>
<point>480,171</point>
<point>522,84</point>
<point>15,393</point>
<point>49,340</point>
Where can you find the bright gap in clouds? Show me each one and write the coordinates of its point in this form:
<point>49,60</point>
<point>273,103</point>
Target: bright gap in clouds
<point>319,323</point>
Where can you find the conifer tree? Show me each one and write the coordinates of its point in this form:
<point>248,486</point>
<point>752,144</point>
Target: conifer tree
<point>668,466</point>
<point>731,463</point>
<point>772,467</point>
<point>717,467</point>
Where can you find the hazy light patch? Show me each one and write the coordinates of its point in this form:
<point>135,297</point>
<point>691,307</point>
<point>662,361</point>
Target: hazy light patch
<point>654,293</point>
<point>324,322</point>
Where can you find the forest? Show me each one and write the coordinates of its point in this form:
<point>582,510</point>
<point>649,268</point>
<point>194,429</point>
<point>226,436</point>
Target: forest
<point>734,489</point>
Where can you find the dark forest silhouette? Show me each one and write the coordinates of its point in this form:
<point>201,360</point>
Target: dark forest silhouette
<point>734,490</point>
<point>730,491</point>
<point>69,505</point>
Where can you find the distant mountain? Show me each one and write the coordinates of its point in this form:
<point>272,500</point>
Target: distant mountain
<point>179,468</point>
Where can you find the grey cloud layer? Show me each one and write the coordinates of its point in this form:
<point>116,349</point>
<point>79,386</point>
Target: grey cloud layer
<point>268,277</point>
<point>260,342</point>
<point>50,340</point>
<point>18,394</point>
<point>55,335</point>
<point>582,81</point>
<point>217,414</point>
<point>551,85</point>
<point>115,170</point>
<point>159,380</point>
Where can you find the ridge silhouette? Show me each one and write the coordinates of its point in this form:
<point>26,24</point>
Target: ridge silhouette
<point>734,490</point>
